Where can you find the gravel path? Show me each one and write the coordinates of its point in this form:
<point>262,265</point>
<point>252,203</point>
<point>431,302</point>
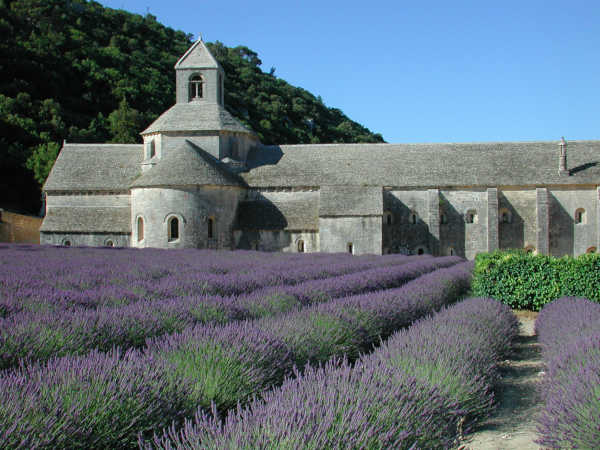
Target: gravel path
<point>512,426</point>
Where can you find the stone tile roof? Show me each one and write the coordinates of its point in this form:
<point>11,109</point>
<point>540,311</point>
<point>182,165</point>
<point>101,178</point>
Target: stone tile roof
<point>197,57</point>
<point>88,220</point>
<point>422,165</point>
<point>196,116</point>
<point>297,214</point>
<point>95,167</point>
<point>350,201</point>
<point>187,165</point>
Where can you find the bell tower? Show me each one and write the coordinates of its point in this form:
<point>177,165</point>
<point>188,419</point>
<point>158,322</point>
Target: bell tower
<point>199,77</point>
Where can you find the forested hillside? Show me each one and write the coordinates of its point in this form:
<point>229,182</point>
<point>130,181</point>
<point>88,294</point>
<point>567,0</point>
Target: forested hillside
<point>76,70</point>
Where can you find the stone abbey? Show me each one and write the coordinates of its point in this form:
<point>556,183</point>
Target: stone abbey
<point>202,180</point>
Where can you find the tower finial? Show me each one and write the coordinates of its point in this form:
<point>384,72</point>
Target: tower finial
<point>199,37</point>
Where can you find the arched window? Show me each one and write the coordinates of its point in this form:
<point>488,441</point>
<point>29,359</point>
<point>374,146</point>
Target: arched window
<point>580,216</point>
<point>420,250</point>
<point>412,218</point>
<point>152,149</point>
<point>471,216</point>
<point>109,243</point>
<point>591,250</point>
<point>211,227</point>
<point>451,251</point>
<point>140,229</point>
<point>173,229</point>
<point>388,218</point>
<point>300,246</point>
<point>505,216</point>
<point>350,248</point>
<point>196,87</point>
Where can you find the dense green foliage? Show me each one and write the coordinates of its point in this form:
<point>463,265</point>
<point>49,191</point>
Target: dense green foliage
<point>75,70</point>
<point>526,281</point>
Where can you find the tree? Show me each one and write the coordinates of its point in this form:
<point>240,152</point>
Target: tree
<point>42,160</point>
<point>125,124</point>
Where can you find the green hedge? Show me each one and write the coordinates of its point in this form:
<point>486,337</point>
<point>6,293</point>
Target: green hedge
<point>526,281</point>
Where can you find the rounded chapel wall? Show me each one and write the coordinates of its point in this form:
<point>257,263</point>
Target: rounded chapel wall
<point>192,207</point>
<point>157,206</point>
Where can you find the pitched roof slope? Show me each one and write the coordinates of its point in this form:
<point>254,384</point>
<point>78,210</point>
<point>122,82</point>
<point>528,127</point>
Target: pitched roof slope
<point>95,167</point>
<point>296,214</point>
<point>187,165</point>
<point>87,220</point>
<point>422,165</point>
<point>350,201</point>
<point>197,57</point>
<point>196,116</point>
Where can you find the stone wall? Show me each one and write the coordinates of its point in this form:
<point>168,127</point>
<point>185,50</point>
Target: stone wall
<point>363,232</point>
<point>276,240</point>
<point>86,239</point>
<point>464,231</point>
<point>20,228</point>
<point>567,237</point>
<point>193,207</point>
<point>519,229</point>
<point>408,231</point>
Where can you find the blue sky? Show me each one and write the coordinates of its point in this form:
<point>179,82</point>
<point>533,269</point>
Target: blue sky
<point>421,71</point>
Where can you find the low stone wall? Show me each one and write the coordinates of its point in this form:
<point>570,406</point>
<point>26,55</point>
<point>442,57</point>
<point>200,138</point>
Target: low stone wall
<point>19,228</point>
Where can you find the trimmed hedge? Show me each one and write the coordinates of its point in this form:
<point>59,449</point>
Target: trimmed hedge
<point>526,281</point>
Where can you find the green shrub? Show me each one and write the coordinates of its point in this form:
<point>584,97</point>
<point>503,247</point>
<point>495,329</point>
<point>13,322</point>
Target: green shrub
<point>526,281</point>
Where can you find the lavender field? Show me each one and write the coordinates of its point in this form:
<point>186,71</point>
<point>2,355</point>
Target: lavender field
<point>122,348</point>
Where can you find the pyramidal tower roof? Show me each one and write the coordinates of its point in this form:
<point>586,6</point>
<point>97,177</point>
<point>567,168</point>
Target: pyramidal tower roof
<point>188,165</point>
<point>198,57</point>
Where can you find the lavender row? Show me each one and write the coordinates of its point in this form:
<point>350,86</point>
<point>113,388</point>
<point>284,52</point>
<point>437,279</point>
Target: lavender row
<point>40,335</point>
<point>416,391</point>
<point>278,298</point>
<point>77,400</point>
<point>569,333</point>
<point>91,282</point>
<point>345,327</point>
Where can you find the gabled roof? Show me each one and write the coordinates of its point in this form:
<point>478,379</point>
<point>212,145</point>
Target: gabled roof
<point>198,57</point>
<point>196,116</point>
<point>95,167</point>
<point>187,165</point>
<point>423,165</point>
<point>350,201</point>
<point>87,220</point>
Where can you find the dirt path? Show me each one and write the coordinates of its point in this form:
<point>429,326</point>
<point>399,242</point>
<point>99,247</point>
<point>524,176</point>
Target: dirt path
<point>513,424</point>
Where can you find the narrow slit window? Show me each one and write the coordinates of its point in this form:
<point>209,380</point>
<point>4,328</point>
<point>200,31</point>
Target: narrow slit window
<point>140,229</point>
<point>211,228</point>
<point>580,216</point>
<point>300,246</point>
<point>173,229</point>
<point>350,248</point>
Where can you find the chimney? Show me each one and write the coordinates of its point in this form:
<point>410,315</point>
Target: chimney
<point>562,163</point>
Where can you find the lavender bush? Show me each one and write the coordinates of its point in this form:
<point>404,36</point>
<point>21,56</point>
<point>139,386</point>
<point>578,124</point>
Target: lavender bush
<point>347,326</point>
<point>98,401</point>
<point>226,365</point>
<point>278,299</point>
<point>376,404</point>
<point>569,334</point>
<point>112,277</point>
<point>41,335</point>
